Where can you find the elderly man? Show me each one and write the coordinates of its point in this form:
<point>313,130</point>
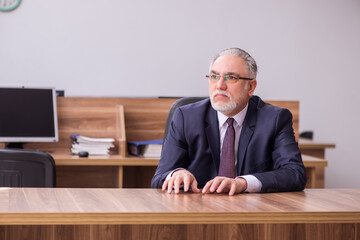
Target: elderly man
<point>233,142</point>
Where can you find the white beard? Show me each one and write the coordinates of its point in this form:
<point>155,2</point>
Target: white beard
<point>224,108</point>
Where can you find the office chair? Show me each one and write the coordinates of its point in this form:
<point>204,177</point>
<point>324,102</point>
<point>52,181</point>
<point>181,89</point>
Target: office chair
<point>178,103</point>
<point>307,135</point>
<point>26,168</point>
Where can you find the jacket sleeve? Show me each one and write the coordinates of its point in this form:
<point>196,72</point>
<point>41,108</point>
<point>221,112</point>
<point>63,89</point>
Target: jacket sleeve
<point>288,172</point>
<point>175,151</point>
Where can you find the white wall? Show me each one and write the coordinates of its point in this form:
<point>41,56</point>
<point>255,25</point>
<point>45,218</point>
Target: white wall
<point>306,50</point>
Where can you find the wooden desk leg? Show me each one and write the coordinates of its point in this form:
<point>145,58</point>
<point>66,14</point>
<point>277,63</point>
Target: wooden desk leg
<point>120,176</point>
<point>319,171</point>
<point>311,177</point>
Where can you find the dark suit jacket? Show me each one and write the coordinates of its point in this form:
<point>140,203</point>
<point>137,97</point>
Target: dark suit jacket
<point>267,146</point>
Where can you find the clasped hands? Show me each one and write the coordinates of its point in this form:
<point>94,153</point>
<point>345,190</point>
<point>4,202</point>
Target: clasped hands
<point>217,184</point>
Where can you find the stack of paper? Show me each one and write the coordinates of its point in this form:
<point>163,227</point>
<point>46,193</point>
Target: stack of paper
<point>147,149</point>
<point>94,146</point>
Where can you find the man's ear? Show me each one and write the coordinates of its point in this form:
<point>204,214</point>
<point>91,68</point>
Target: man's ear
<point>252,85</point>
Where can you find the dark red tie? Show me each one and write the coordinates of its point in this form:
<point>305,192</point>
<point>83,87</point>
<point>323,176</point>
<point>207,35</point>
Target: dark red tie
<point>227,159</point>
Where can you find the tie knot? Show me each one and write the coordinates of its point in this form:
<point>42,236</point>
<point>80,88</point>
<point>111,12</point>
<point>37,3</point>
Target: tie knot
<point>230,121</point>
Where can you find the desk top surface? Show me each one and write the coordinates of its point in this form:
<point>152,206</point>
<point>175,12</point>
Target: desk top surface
<point>64,159</point>
<point>310,144</point>
<point>151,206</point>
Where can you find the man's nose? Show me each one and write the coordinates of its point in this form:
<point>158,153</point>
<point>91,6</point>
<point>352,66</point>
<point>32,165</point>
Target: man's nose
<point>221,84</point>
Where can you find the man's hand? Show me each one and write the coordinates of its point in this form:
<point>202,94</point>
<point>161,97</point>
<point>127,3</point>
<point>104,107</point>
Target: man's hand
<point>224,185</point>
<point>178,178</point>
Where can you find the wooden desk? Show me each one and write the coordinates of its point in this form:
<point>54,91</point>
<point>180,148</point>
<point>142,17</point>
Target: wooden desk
<point>104,171</point>
<point>316,149</point>
<point>56,213</point>
<point>113,167</point>
<point>313,148</point>
<point>141,119</point>
<point>312,165</point>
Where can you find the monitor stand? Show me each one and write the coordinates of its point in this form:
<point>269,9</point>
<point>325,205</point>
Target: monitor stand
<point>14,145</point>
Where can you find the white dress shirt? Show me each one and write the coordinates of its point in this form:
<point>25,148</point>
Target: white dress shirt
<point>253,184</point>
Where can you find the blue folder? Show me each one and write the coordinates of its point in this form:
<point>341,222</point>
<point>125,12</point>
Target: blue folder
<point>140,145</point>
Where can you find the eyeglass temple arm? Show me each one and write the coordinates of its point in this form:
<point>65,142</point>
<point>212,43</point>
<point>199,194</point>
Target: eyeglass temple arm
<point>244,78</point>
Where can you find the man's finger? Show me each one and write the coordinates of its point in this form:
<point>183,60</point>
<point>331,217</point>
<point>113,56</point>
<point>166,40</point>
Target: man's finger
<point>233,189</point>
<point>194,187</point>
<point>223,186</point>
<point>186,183</point>
<point>170,184</point>
<point>215,184</point>
<point>178,181</point>
<point>164,185</point>
<point>207,186</point>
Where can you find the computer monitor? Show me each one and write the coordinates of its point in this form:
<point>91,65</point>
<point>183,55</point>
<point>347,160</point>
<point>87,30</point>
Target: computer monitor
<point>28,115</point>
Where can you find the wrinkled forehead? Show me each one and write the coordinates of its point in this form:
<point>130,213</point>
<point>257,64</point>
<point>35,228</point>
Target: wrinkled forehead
<point>228,64</point>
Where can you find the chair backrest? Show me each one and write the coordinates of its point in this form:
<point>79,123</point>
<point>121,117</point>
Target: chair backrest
<point>26,168</point>
<point>178,103</point>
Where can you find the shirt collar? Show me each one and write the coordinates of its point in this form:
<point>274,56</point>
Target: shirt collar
<point>239,118</point>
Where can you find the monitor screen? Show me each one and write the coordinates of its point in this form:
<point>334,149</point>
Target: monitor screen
<point>28,115</point>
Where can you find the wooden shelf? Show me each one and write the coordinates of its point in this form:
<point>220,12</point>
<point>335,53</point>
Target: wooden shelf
<point>133,119</point>
<point>309,144</point>
<point>111,160</point>
<point>311,164</point>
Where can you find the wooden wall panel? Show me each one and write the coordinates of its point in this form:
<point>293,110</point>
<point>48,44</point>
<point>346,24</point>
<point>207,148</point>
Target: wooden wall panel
<point>86,176</point>
<point>331,231</point>
<point>138,176</point>
<point>145,118</point>
<point>238,231</point>
<point>189,232</point>
<point>103,176</point>
<point>87,121</point>
<point>144,115</point>
<point>293,106</point>
<point>106,232</point>
<point>312,231</point>
<point>29,232</point>
<point>2,232</point>
<point>286,231</point>
<point>320,172</point>
<point>72,232</point>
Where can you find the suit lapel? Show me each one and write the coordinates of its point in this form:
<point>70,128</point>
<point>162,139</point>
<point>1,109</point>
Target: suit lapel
<point>213,135</point>
<point>246,134</point>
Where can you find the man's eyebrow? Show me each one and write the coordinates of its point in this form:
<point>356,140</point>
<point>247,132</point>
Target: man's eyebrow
<point>231,73</point>
<point>228,73</point>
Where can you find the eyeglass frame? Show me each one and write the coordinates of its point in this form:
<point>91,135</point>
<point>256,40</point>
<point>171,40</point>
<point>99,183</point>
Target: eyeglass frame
<point>226,78</point>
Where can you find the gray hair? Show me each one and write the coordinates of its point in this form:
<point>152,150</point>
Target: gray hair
<point>237,52</point>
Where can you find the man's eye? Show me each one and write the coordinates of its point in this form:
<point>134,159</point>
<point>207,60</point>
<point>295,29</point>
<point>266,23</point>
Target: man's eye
<point>215,76</point>
<point>231,77</point>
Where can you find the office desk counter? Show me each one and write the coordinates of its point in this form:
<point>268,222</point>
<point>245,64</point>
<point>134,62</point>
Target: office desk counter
<point>61,213</point>
<point>65,206</point>
<point>311,147</point>
<point>316,149</point>
<point>66,159</point>
<point>144,171</point>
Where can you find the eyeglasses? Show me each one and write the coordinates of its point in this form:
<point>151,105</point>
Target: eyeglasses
<point>227,78</point>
